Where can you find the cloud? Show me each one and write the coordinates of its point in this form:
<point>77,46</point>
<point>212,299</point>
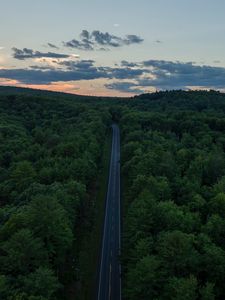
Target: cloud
<point>125,63</point>
<point>124,86</point>
<point>52,46</point>
<point>38,76</point>
<point>123,73</point>
<point>131,77</point>
<point>68,71</point>
<point>106,39</point>
<point>74,65</point>
<point>26,53</point>
<point>101,41</point>
<point>132,39</point>
<point>65,71</point>
<point>169,75</point>
<point>42,67</point>
<point>85,44</point>
<point>85,34</point>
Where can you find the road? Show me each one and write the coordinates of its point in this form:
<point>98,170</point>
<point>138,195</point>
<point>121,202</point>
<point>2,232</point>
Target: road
<point>109,285</point>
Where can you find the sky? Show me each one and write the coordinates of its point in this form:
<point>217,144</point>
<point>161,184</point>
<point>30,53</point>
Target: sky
<point>113,47</point>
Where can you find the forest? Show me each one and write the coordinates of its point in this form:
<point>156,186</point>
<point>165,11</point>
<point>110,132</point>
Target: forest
<point>174,196</point>
<point>50,156</point>
<point>173,192</point>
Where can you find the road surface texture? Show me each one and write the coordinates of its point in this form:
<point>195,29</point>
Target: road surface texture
<point>109,285</point>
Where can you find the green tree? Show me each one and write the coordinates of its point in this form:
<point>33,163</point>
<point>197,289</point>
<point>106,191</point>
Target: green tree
<point>41,283</point>
<point>3,287</point>
<point>178,253</point>
<point>181,288</point>
<point>145,279</point>
<point>22,253</point>
<point>207,292</point>
<point>49,221</point>
<point>23,175</point>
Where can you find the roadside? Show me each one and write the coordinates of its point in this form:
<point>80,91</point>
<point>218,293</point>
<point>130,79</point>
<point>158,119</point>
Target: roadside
<point>83,281</point>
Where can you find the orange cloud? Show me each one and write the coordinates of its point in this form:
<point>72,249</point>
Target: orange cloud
<point>10,82</point>
<point>82,87</point>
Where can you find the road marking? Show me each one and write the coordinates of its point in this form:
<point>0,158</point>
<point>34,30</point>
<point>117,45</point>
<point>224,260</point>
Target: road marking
<point>110,277</point>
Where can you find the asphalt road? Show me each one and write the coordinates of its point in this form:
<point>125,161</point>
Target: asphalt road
<point>109,285</point>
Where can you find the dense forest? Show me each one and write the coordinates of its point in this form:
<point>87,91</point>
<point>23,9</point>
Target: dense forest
<point>173,158</point>
<point>50,156</point>
<point>173,192</point>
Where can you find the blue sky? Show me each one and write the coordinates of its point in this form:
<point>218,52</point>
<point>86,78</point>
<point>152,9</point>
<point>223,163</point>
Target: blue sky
<point>149,45</point>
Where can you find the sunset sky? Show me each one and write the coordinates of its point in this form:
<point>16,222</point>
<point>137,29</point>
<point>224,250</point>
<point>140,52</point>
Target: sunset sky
<point>113,47</point>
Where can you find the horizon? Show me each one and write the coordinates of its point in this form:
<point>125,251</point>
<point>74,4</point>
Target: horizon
<point>119,97</point>
<point>118,49</point>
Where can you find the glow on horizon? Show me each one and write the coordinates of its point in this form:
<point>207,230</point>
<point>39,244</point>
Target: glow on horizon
<point>83,89</point>
<point>78,88</point>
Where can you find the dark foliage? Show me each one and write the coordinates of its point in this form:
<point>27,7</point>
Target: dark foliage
<point>173,174</point>
<point>50,153</point>
<point>174,196</point>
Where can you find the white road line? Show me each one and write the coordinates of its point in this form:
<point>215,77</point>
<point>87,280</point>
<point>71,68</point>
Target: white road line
<point>110,278</point>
